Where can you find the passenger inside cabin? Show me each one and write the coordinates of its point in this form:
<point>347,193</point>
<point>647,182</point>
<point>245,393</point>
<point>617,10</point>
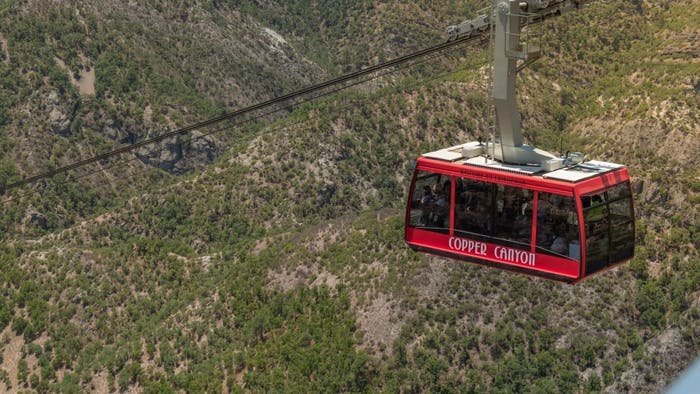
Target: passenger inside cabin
<point>441,209</point>
<point>522,226</point>
<point>446,186</point>
<point>560,244</point>
<point>557,224</point>
<point>427,196</point>
<point>430,202</point>
<point>482,217</point>
<point>426,202</point>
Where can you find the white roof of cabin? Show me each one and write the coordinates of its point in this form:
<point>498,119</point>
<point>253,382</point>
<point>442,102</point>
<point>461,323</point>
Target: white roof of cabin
<point>574,173</point>
<point>582,171</point>
<point>482,161</point>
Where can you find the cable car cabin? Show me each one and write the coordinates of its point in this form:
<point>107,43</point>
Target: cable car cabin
<point>565,224</point>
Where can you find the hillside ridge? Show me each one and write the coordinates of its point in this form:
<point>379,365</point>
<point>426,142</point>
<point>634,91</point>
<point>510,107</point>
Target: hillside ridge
<point>278,262</point>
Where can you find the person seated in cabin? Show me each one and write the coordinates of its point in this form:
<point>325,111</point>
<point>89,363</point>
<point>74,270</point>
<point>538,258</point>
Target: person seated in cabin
<point>560,244</point>
<point>437,187</point>
<point>476,211</point>
<point>482,219</point>
<point>464,207</point>
<point>427,196</point>
<point>560,209</point>
<point>441,200</point>
<point>441,209</point>
<point>525,209</point>
<point>545,235</point>
<point>500,208</point>
<point>446,187</point>
<point>522,228</point>
<point>426,202</point>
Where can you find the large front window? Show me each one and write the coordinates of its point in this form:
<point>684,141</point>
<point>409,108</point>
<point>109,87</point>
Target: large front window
<point>430,202</point>
<point>473,206</point>
<point>557,226</point>
<point>493,212</point>
<point>609,227</point>
<point>513,215</point>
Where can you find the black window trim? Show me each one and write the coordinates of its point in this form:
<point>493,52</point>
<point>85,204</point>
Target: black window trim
<point>608,222</point>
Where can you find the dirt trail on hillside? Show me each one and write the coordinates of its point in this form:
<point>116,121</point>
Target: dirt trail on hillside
<point>86,83</point>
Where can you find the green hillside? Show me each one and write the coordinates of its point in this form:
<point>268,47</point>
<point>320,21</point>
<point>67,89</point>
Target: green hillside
<point>270,257</point>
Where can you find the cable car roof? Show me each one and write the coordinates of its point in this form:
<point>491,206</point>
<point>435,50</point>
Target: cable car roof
<point>572,174</point>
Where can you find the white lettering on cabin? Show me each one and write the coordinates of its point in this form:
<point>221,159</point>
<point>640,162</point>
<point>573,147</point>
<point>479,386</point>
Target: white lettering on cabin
<point>500,252</point>
<point>467,245</point>
<point>515,256</point>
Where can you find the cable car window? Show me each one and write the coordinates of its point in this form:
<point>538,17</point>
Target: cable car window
<point>621,211</point>
<point>619,191</point>
<point>621,224</point>
<point>473,207</point>
<point>609,224</point>
<point>430,203</point>
<point>595,217</point>
<point>513,215</point>
<point>621,241</point>
<point>557,226</point>
<point>593,200</point>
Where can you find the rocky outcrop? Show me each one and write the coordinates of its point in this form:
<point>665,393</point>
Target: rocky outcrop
<point>110,129</point>
<point>180,154</point>
<point>116,129</point>
<point>203,149</point>
<point>164,155</point>
<point>60,114</point>
<point>36,219</point>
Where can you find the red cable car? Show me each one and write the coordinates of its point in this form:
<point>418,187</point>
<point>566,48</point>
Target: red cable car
<point>510,205</point>
<point>564,224</point>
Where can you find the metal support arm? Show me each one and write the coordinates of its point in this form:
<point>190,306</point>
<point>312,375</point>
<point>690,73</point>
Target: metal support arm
<point>507,18</point>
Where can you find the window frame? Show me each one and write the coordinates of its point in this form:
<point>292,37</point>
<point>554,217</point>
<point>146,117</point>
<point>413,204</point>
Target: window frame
<point>577,226</point>
<point>441,176</point>
<point>594,267</point>
<point>492,208</point>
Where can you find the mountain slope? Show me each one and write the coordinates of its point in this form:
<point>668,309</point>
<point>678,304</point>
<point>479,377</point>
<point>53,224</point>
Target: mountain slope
<point>281,266</point>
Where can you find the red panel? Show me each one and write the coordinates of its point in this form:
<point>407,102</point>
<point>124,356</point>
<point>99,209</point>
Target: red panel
<point>453,197</point>
<point>581,230</point>
<point>533,231</point>
<point>536,262</point>
<point>603,181</point>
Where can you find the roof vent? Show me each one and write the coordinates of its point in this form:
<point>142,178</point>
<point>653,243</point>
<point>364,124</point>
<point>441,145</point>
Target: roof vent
<point>472,150</point>
<point>574,158</point>
<point>553,164</point>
